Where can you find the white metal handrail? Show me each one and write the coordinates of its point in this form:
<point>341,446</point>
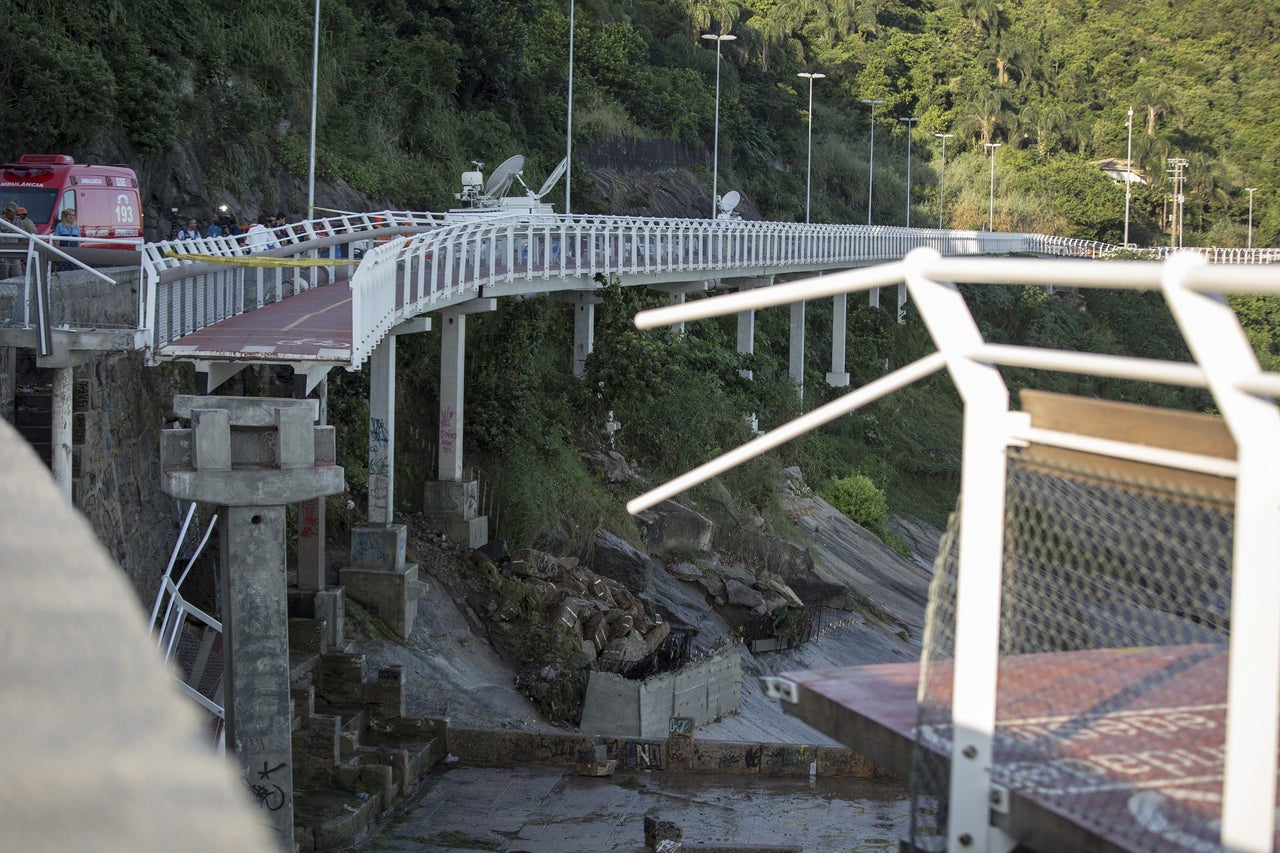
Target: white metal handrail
<point>1224,362</point>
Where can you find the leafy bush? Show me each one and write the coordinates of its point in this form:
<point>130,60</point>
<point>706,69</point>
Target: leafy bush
<point>860,499</point>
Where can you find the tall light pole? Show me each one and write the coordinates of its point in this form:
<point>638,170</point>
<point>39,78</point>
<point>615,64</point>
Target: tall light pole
<point>1251,191</point>
<point>910,120</point>
<point>1128,179</point>
<point>808,169</point>
<point>991,201</point>
<point>715,154</point>
<point>568,133</point>
<point>942,176</point>
<point>871,157</point>
<point>315,79</point>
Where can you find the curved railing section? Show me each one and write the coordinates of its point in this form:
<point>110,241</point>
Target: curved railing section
<point>411,263</point>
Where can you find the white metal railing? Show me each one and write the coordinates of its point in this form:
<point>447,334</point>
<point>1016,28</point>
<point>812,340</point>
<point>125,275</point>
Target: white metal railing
<point>189,639</point>
<point>442,260</point>
<point>1224,363</point>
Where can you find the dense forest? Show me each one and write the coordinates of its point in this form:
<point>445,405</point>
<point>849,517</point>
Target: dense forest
<point>411,91</point>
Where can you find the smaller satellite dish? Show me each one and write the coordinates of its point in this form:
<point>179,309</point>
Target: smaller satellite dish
<point>729,201</point>
<point>502,176</point>
<point>556,174</point>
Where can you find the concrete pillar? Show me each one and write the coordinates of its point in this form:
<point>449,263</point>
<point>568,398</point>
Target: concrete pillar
<point>453,344</point>
<point>62,402</point>
<point>838,377</point>
<point>252,456</point>
<point>678,299</point>
<point>746,336</point>
<point>255,626</point>
<point>312,560</point>
<point>796,352</point>
<point>382,431</point>
<point>902,302</point>
<point>874,299</point>
<point>449,501</point>
<point>584,331</point>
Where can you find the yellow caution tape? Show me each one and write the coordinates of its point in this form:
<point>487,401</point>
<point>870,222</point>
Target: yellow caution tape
<point>260,260</point>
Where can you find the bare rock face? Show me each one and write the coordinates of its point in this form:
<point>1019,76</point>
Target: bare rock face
<point>741,595</point>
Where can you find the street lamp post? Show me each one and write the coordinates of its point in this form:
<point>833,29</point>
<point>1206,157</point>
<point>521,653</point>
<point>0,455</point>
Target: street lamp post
<point>315,78</point>
<point>1251,191</point>
<point>910,121</point>
<point>715,154</point>
<point>808,169</point>
<point>568,133</point>
<point>942,175</point>
<point>1128,179</point>
<point>871,157</point>
<point>991,199</point>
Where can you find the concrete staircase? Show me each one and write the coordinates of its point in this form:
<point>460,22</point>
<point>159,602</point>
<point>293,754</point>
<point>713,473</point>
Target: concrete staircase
<point>355,753</point>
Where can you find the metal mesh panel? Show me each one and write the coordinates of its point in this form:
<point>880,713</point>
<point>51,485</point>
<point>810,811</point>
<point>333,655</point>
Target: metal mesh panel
<point>1112,677</point>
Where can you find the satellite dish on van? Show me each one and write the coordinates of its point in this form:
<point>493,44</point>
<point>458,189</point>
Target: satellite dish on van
<point>556,174</point>
<point>500,181</point>
<point>728,202</point>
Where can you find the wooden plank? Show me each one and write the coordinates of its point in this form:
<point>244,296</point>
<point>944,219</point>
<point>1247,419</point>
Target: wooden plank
<point>1188,432</point>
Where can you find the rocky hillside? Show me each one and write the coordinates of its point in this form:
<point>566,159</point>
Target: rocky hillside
<point>508,644</point>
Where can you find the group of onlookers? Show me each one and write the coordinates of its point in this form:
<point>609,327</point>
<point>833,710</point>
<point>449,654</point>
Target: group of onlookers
<point>13,262</point>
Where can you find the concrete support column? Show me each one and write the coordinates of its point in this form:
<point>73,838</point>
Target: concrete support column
<point>584,331</point>
<point>255,625</point>
<point>902,302</point>
<point>382,431</point>
<point>312,561</point>
<point>251,457</point>
<point>61,437</point>
<point>874,298</point>
<point>796,352</point>
<point>838,377</point>
<point>678,299</point>
<point>747,336</point>
<point>453,344</point>
<point>449,501</point>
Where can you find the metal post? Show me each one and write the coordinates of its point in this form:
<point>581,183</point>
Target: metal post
<point>942,175</point>
<point>568,134</point>
<point>1251,191</point>
<point>991,200</point>
<point>315,78</point>
<point>808,170</point>
<point>871,152</point>
<point>715,154</point>
<point>1128,179</point>
<point>910,120</point>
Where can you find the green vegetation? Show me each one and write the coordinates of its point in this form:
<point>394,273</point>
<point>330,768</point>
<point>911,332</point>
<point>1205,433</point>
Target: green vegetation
<point>410,92</point>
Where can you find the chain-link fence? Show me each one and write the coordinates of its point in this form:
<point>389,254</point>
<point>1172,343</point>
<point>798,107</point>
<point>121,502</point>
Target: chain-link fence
<point>1113,637</point>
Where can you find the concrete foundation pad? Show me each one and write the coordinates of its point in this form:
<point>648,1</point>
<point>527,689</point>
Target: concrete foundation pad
<point>472,532</point>
<point>391,594</point>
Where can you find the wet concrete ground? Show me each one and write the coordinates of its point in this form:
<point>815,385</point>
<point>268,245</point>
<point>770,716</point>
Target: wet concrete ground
<point>542,809</point>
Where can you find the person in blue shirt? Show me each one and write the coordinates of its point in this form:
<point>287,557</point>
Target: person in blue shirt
<point>66,227</point>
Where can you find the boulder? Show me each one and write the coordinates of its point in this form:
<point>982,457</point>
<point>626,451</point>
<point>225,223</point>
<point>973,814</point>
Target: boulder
<point>669,527</point>
<point>779,589</point>
<point>611,464</point>
<point>685,572</point>
<point>615,558</point>
<point>739,594</point>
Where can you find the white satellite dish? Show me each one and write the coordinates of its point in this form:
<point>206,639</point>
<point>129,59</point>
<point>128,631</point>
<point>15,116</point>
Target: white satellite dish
<point>728,202</point>
<point>500,180</point>
<point>556,174</point>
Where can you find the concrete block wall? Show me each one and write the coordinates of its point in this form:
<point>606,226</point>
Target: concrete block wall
<point>702,691</point>
<point>684,754</point>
